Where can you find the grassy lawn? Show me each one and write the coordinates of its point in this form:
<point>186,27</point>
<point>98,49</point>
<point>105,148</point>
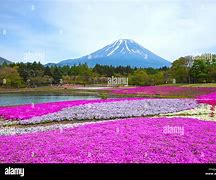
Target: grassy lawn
<point>200,85</point>
<point>192,85</point>
<point>50,90</point>
<point>99,92</point>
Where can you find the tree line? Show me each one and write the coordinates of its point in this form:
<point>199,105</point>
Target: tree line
<point>199,69</point>
<point>186,69</point>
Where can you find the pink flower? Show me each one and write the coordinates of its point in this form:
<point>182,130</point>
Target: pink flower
<point>165,90</point>
<point>26,111</point>
<point>139,140</point>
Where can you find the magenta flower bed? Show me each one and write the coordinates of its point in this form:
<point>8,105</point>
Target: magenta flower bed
<point>208,99</point>
<point>137,140</point>
<point>27,111</point>
<point>165,90</point>
<point>150,90</point>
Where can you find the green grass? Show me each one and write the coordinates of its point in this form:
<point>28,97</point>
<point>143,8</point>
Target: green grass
<point>49,90</point>
<point>191,85</point>
<point>200,85</point>
<point>178,84</point>
<point>99,93</point>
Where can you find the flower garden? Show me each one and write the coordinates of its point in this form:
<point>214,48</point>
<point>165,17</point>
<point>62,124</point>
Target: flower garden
<point>136,140</point>
<point>170,91</point>
<point>116,130</point>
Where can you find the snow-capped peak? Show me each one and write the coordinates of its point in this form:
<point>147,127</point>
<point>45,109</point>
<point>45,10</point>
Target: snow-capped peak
<point>122,52</point>
<point>125,47</point>
<point>120,46</point>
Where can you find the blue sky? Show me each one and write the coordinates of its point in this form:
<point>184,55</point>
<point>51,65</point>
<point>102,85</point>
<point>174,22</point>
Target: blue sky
<point>62,29</point>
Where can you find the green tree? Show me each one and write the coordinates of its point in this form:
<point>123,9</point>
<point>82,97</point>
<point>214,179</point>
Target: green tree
<point>56,75</point>
<point>12,77</point>
<point>139,77</point>
<point>180,70</point>
<point>40,80</point>
<point>67,79</point>
<point>155,79</point>
<point>199,71</point>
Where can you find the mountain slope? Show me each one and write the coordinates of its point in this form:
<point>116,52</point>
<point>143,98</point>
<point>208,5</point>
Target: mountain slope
<point>2,60</point>
<point>122,52</point>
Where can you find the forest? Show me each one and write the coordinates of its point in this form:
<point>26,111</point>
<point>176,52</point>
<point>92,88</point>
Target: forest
<point>188,69</point>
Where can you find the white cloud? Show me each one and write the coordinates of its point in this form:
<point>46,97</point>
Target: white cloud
<point>169,28</point>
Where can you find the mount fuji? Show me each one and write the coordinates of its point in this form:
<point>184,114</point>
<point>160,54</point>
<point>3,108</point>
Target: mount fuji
<point>122,52</point>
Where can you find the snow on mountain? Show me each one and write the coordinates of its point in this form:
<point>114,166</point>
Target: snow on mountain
<point>122,52</point>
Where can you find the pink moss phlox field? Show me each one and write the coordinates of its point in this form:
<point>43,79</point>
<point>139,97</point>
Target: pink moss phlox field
<point>165,90</point>
<point>29,111</point>
<point>208,99</point>
<point>151,90</point>
<point>136,140</point>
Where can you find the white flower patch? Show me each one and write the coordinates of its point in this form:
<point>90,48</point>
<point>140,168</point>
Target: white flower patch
<point>202,112</point>
<point>113,110</point>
